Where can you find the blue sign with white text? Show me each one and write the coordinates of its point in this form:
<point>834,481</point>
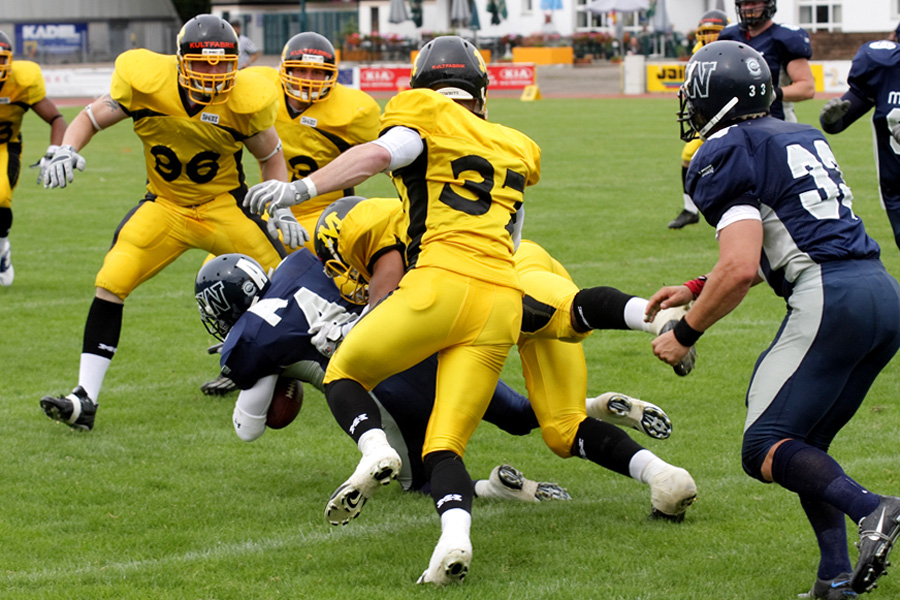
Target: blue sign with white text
<point>51,38</point>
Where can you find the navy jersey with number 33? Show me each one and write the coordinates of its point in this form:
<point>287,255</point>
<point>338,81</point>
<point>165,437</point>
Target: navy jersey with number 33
<point>789,173</point>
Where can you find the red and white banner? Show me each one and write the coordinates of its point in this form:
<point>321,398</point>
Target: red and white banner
<point>512,76</point>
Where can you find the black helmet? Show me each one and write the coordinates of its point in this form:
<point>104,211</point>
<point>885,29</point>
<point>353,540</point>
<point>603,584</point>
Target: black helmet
<point>6,56</point>
<point>311,51</point>
<point>225,288</point>
<point>723,81</point>
<point>212,40</point>
<point>711,23</point>
<point>454,67</point>
<point>748,20</point>
<point>352,285</point>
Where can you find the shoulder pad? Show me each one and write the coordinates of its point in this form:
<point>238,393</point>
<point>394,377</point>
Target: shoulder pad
<point>269,73</point>
<point>252,93</point>
<point>27,73</point>
<point>141,69</point>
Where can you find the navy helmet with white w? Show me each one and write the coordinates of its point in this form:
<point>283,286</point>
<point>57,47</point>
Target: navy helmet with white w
<point>723,82</point>
<point>225,288</point>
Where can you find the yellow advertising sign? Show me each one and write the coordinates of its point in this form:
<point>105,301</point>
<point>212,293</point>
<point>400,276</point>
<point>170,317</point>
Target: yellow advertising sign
<point>668,77</point>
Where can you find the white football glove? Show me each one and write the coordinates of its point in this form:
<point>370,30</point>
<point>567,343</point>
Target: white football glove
<point>328,337</point>
<point>61,168</point>
<point>293,233</point>
<point>834,110</point>
<point>275,194</point>
<point>44,161</point>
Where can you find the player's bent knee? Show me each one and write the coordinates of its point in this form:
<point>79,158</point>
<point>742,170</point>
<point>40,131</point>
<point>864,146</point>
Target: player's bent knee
<point>753,454</point>
<point>560,439</point>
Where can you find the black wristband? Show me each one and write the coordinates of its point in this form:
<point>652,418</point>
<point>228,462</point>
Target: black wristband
<point>686,335</point>
<point>779,94</point>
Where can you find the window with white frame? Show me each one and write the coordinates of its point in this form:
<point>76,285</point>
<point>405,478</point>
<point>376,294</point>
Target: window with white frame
<point>824,15</point>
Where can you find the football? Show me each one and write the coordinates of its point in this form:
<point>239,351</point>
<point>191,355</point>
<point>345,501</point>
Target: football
<point>287,398</point>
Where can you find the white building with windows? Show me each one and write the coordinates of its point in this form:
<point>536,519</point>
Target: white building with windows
<point>528,16</point>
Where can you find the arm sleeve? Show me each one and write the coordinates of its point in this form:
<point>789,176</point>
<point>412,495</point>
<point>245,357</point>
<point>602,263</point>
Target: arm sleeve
<point>404,144</point>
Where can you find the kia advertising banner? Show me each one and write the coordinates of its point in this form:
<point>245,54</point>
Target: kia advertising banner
<point>387,78</point>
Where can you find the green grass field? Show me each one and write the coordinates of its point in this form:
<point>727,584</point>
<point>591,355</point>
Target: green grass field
<point>162,500</point>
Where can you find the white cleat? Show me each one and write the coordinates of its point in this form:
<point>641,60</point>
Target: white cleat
<point>374,470</point>
<point>449,563</point>
<point>508,483</point>
<point>626,411</point>
<point>672,491</point>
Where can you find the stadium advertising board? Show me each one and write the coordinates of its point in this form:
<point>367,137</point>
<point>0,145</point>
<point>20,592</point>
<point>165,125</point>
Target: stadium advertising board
<point>50,38</point>
<point>386,78</point>
<point>830,76</point>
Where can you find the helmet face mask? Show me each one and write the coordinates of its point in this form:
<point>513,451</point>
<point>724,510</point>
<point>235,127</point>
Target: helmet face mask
<point>723,82</point>
<point>6,56</point>
<point>756,16</point>
<point>225,288</point>
<point>207,59</point>
<point>454,68</point>
<point>352,285</point>
<point>303,55</point>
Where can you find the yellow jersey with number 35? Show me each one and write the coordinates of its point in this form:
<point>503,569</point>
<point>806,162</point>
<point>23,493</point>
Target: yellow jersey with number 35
<point>23,88</point>
<point>192,153</point>
<point>461,194</point>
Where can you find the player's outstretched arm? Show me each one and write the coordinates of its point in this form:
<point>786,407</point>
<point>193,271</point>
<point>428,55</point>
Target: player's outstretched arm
<point>348,170</point>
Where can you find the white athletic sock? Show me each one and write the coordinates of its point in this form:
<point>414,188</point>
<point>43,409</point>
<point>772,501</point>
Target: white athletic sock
<point>634,315</point>
<point>638,465</point>
<point>91,372</point>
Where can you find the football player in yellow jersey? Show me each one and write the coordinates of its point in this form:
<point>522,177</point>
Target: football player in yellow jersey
<point>21,88</point>
<point>711,23</point>
<point>194,113</point>
<point>318,118</point>
<point>363,240</point>
<point>462,181</point>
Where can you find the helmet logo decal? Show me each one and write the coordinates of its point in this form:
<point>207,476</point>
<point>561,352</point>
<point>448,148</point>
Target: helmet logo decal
<point>697,80</point>
<point>313,58</point>
<point>213,299</point>
<point>753,67</point>
<point>329,230</point>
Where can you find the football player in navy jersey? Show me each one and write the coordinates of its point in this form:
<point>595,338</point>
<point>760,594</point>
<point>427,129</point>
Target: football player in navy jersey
<point>267,327</point>
<point>874,81</point>
<point>783,214</point>
<point>786,50</point>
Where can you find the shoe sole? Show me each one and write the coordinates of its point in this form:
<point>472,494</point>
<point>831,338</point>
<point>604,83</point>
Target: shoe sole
<point>52,410</point>
<point>347,501</point>
<point>865,579</point>
<point>654,422</point>
<point>456,566</point>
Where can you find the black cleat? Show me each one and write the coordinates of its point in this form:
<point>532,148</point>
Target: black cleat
<point>75,410</point>
<point>685,217</point>
<point>877,533</point>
